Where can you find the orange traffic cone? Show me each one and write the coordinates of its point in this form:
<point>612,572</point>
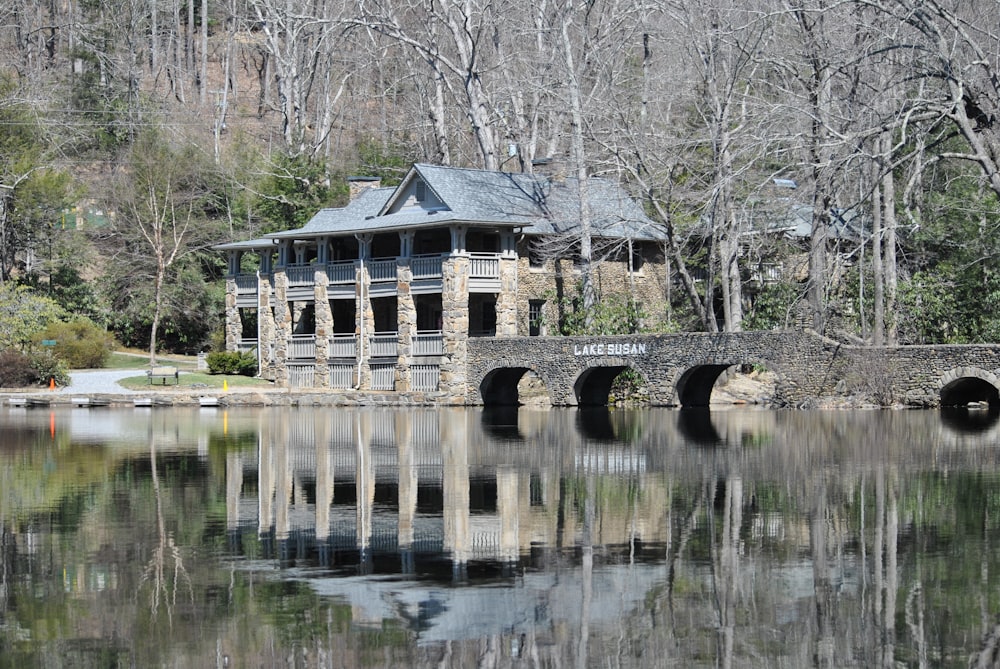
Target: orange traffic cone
<point>52,383</point>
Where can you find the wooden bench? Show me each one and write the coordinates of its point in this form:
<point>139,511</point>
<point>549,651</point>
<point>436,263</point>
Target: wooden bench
<point>164,373</point>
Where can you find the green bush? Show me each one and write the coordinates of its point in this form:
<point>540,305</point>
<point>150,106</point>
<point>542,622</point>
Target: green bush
<point>80,343</point>
<point>48,366</point>
<point>231,362</point>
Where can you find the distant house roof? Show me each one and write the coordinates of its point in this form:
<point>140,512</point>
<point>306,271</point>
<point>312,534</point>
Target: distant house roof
<point>248,245</point>
<point>431,196</point>
<point>796,221</point>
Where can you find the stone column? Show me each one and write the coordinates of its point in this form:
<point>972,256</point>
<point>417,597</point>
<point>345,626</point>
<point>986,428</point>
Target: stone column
<point>282,323</point>
<point>455,327</point>
<point>234,325</point>
<point>324,319</point>
<point>406,311</point>
<point>266,326</point>
<point>507,299</point>
<point>364,313</point>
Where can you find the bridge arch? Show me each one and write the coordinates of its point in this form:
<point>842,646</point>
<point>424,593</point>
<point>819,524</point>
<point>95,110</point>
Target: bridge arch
<point>592,384</point>
<point>965,385</point>
<point>499,386</point>
<point>693,386</point>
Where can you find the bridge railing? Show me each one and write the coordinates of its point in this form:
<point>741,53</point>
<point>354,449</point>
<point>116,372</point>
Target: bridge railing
<point>247,346</point>
<point>484,265</point>
<point>246,284</point>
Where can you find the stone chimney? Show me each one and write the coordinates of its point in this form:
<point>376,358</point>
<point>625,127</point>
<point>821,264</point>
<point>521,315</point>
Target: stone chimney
<point>358,185</point>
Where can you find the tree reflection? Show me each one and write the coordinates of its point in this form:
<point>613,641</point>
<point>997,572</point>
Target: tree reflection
<point>423,538</point>
<point>165,570</point>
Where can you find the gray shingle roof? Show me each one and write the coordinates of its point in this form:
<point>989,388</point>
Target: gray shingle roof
<point>536,204</point>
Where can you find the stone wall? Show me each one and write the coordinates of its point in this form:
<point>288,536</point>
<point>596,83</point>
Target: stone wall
<point>555,281</point>
<point>807,366</point>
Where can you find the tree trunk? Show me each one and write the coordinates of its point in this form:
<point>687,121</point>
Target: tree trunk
<point>878,269</point>
<point>580,167</point>
<point>203,77</point>
<point>889,246</point>
<point>157,306</point>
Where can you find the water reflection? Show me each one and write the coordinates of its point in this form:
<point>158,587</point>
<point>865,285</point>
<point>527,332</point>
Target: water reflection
<point>454,537</point>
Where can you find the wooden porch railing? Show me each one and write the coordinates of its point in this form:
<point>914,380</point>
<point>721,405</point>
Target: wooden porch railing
<point>383,345</point>
<point>428,342</point>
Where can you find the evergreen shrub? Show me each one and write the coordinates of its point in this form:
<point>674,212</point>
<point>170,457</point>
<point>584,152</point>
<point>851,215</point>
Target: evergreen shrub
<point>231,362</point>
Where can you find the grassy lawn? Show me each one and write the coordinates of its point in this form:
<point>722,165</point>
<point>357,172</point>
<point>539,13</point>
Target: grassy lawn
<point>139,360</point>
<point>191,379</point>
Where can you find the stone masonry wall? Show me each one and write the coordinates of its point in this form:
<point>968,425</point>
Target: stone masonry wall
<point>556,280</point>
<point>807,366</point>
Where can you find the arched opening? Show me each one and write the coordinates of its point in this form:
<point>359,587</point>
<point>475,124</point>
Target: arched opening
<point>513,386</point>
<point>694,388</point>
<point>599,385</point>
<point>966,390</point>
<point>743,383</point>
<point>593,386</point>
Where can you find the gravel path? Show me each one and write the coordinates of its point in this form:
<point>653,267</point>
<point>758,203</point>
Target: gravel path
<point>99,381</point>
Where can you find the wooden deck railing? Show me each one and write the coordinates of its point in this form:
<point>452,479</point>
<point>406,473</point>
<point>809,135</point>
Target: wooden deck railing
<point>342,271</point>
<point>383,345</point>
<point>428,342</point>
<point>302,347</point>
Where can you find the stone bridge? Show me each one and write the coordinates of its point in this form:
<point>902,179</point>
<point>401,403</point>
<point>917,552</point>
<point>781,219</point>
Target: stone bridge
<point>681,369</point>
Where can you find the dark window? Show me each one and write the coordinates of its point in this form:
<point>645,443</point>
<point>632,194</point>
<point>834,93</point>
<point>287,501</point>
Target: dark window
<point>535,317</point>
<point>638,259</point>
<point>420,191</point>
<point>535,257</point>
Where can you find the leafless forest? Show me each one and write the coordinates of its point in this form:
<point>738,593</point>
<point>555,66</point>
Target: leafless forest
<point>874,115</point>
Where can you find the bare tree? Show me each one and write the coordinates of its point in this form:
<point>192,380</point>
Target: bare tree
<point>455,38</point>
<point>298,42</point>
<point>159,196</point>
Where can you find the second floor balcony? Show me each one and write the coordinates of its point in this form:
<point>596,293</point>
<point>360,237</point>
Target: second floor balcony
<point>302,347</point>
<point>484,274</point>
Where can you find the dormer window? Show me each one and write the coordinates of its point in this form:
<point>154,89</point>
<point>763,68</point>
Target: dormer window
<point>420,191</point>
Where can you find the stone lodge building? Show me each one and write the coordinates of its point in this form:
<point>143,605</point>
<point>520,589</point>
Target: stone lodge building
<point>383,294</point>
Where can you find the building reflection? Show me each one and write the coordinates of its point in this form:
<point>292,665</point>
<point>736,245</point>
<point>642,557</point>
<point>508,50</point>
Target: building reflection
<point>530,531</point>
<point>355,485</point>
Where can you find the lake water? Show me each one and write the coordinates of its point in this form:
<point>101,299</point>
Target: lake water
<point>302,537</point>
